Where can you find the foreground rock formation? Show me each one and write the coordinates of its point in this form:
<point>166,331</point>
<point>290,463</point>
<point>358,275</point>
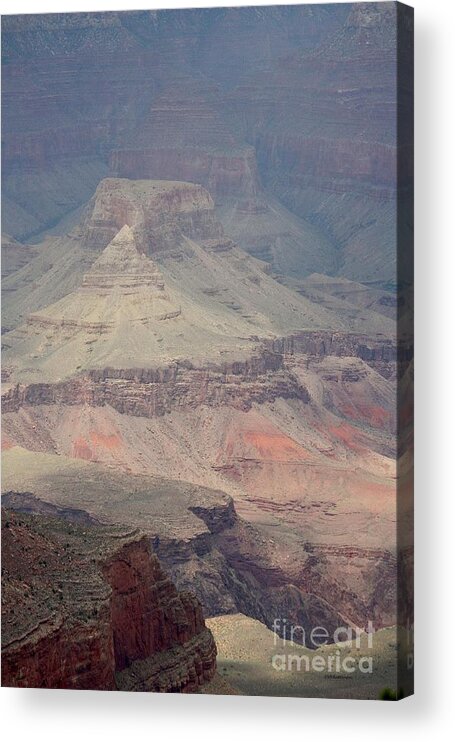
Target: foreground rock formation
<point>258,563</point>
<point>87,607</point>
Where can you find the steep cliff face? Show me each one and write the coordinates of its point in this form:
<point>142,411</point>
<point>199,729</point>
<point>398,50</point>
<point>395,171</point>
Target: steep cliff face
<point>83,603</point>
<point>222,173</point>
<point>263,378</point>
<point>325,144</point>
<point>183,136</point>
<point>332,162</point>
<point>159,212</point>
<point>151,392</point>
<point>155,392</point>
<point>380,353</point>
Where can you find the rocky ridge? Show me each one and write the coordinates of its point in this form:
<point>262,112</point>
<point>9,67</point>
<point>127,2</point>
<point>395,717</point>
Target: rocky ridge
<point>89,607</point>
<point>231,564</point>
<point>155,392</point>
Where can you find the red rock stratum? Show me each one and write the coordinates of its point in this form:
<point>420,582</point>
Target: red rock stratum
<point>89,607</point>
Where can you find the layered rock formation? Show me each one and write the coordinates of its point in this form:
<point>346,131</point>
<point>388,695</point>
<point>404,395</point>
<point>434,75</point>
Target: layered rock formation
<point>190,329</point>
<point>159,211</point>
<point>155,392</point>
<point>297,100</point>
<point>86,607</point>
<point>182,136</point>
<point>178,351</point>
<point>91,327</point>
<point>230,563</point>
<point>328,149</point>
<point>203,300</point>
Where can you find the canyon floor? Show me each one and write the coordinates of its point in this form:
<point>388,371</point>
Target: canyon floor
<point>247,651</point>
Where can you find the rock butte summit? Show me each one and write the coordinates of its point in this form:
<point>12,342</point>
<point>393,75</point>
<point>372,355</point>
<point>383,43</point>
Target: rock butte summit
<point>200,299</point>
<point>122,315</point>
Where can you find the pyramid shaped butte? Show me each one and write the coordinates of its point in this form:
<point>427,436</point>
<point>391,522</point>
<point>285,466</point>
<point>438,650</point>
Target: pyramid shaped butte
<point>122,265</point>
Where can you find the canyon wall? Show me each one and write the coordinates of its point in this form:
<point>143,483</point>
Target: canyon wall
<point>222,173</point>
<point>231,564</point>
<point>297,103</point>
<point>83,603</point>
<point>154,392</point>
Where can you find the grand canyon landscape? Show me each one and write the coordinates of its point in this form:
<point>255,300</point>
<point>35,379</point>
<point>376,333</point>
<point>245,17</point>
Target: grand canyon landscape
<point>207,348</point>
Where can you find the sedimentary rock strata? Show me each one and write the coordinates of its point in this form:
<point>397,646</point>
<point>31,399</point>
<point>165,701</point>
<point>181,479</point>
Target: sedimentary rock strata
<point>300,105</point>
<point>85,606</point>
<point>159,212</point>
<point>256,563</point>
<point>155,392</point>
<point>203,343</point>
